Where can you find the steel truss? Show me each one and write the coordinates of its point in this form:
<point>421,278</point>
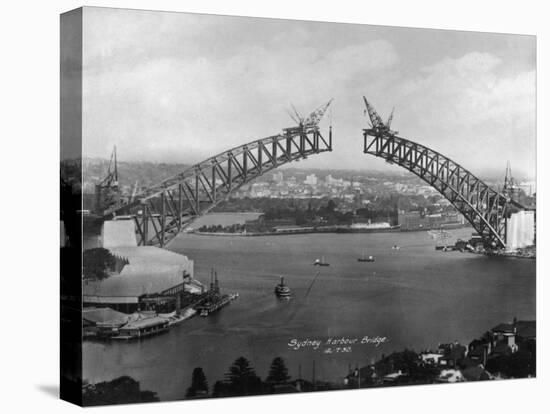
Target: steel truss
<point>487,210</point>
<point>162,211</point>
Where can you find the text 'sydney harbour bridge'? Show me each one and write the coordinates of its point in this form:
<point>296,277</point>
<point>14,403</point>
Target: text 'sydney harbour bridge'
<point>162,211</point>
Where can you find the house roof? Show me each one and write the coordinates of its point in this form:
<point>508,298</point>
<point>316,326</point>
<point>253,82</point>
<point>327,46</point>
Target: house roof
<point>504,328</point>
<point>525,329</point>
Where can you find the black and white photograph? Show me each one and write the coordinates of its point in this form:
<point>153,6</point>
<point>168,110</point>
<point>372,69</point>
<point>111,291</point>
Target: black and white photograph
<point>260,206</point>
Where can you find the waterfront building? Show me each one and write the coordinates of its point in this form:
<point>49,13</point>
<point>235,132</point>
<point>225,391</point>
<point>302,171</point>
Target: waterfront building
<point>143,327</point>
<point>415,220</point>
<point>102,321</point>
<point>150,271</point>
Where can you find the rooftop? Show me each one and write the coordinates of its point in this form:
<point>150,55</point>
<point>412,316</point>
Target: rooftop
<point>525,329</point>
<point>104,316</point>
<point>150,270</point>
<point>145,323</point>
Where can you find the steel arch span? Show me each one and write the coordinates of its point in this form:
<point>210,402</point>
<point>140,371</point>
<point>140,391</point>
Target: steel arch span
<point>485,209</point>
<point>162,211</point>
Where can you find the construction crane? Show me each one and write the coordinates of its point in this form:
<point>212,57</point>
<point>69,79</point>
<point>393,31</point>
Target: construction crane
<point>313,119</point>
<point>111,179</point>
<point>378,127</point>
<point>107,191</point>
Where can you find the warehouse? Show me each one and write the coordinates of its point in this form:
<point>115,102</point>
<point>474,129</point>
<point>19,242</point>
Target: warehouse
<point>149,271</point>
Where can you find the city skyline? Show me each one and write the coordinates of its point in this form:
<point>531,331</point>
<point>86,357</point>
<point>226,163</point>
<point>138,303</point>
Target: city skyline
<point>173,87</point>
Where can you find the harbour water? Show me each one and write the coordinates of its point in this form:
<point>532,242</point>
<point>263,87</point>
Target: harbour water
<point>415,297</point>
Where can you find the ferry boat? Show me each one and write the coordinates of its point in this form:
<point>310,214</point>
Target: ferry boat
<point>321,262</point>
<point>364,258</point>
<point>282,290</point>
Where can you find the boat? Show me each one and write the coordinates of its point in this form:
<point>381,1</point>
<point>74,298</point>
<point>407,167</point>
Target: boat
<point>395,247</point>
<point>445,247</point>
<point>215,303</point>
<point>282,290</point>
<point>321,262</point>
<point>364,258</point>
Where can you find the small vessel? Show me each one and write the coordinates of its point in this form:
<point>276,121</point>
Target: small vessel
<point>321,262</point>
<point>282,290</point>
<point>215,300</point>
<point>395,247</point>
<point>364,258</point>
<point>216,303</point>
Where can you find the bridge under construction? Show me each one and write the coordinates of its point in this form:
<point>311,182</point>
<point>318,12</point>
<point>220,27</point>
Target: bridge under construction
<point>162,211</point>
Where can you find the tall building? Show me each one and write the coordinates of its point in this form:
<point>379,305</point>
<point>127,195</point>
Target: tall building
<point>311,180</point>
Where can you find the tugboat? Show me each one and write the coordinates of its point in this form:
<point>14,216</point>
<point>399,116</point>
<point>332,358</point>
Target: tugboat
<point>282,290</point>
<point>365,259</point>
<point>321,262</point>
<point>215,300</point>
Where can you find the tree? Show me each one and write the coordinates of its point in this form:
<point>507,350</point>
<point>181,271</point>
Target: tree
<point>96,263</point>
<point>122,390</point>
<point>278,372</point>
<point>242,379</point>
<point>199,384</point>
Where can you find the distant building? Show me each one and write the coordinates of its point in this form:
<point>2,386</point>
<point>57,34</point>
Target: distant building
<point>278,177</point>
<point>528,187</point>
<point>311,180</point>
<point>329,180</point>
<point>414,220</point>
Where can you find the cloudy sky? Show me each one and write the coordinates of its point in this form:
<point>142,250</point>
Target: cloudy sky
<point>175,87</point>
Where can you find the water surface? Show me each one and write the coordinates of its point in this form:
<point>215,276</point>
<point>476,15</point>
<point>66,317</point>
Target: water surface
<point>416,297</point>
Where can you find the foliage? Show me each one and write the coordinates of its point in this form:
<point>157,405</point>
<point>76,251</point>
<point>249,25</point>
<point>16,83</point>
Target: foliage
<point>521,364</point>
<point>199,384</point>
<point>278,372</point>
<point>241,379</point>
<point>96,263</point>
<point>123,390</point>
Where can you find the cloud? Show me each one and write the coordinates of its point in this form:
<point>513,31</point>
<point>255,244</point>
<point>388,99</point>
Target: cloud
<point>177,87</point>
<point>212,102</point>
<point>467,107</point>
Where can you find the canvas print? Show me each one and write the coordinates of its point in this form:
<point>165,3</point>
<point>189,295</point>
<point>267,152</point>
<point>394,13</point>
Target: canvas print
<point>263,206</point>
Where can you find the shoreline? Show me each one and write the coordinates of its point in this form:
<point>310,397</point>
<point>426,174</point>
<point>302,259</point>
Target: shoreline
<point>332,230</point>
<point>310,230</point>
